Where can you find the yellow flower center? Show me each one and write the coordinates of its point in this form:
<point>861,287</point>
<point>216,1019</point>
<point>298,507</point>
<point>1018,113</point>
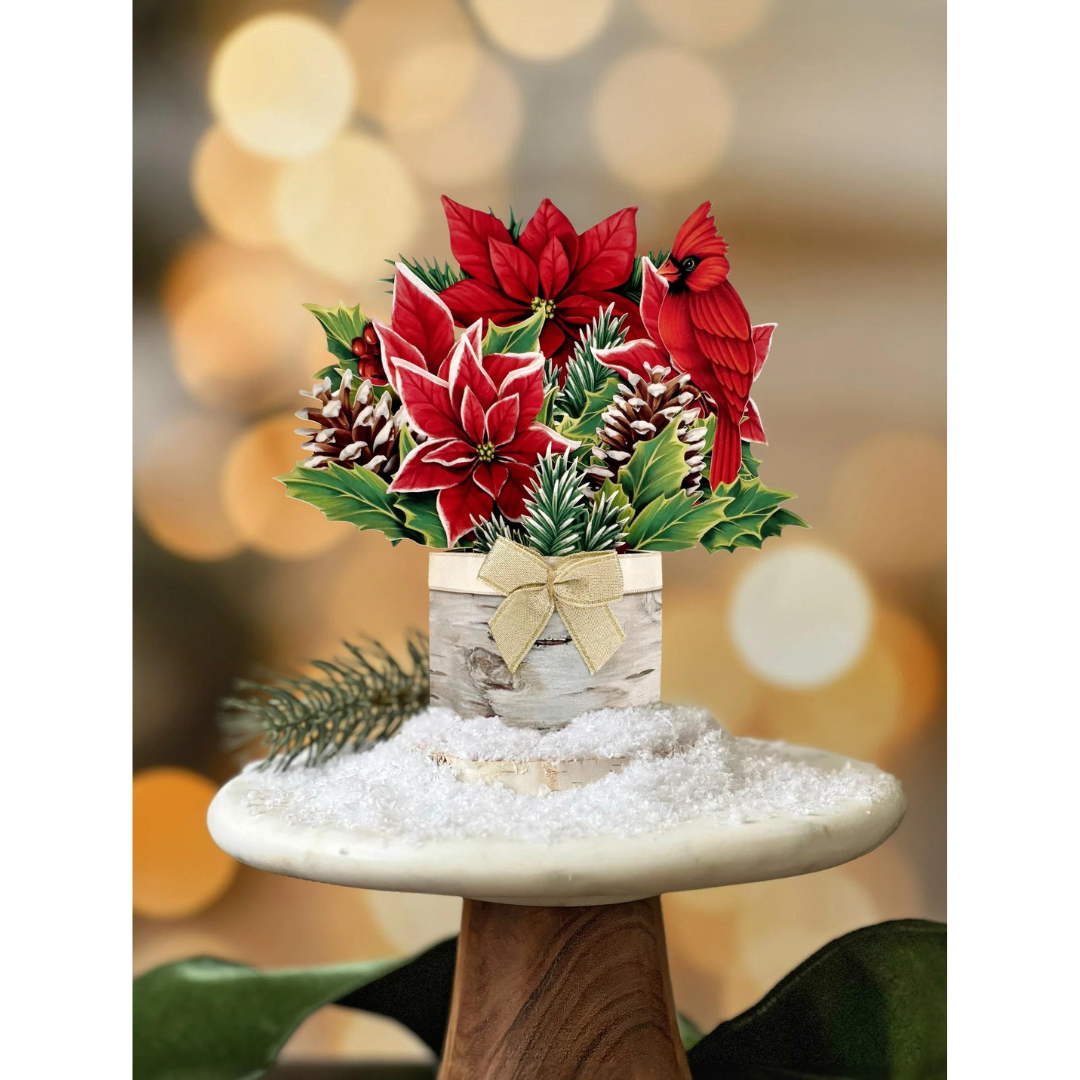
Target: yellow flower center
<point>546,306</point>
<point>486,451</point>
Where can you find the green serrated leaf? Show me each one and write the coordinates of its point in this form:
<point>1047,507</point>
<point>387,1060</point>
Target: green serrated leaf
<point>354,495</point>
<point>341,324</point>
<point>522,337</point>
<point>422,517</point>
<point>751,508</point>
<point>583,428</point>
<point>545,414</point>
<point>656,468</point>
<point>675,522</point>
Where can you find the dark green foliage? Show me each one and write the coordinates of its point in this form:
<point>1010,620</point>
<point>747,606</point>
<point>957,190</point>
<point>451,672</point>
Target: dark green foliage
<point>585,374</point>
<point>632,289</point>
<point>361,698</point>
<point>487,532</point>
<point>609,516</point>
<point>556,506</point>
<point>434,275</point>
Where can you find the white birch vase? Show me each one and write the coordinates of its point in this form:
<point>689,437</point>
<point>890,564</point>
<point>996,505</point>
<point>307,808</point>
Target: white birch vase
<point>552,685</point>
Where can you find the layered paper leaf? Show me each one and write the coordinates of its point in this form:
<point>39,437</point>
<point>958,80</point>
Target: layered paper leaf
<point>753,512</point>
<point>869,1005</point>
<point>354,495</point>
<point>522,337</point>
<point>675,522</point>
<point>421,514</point>
<point>584,427</point>
<point>656,468</point>
<point>341,324</point>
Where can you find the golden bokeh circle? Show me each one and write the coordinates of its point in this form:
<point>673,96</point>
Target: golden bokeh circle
<point>706,24</point>
<point>655,139</point>
<point>800,615</point>
<point>430,83</point>
<point>345,210</point>
<point>282,85</point>
<point>234,189</point>
<point>549,31</point>
<point>178,870</point>
<point>178,487</point>
<point>257,504</point>
<point>887,501</point>
<point>477,139</point>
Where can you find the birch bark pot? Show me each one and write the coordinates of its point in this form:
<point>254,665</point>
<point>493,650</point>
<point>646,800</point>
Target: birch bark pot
<point>552,685</point>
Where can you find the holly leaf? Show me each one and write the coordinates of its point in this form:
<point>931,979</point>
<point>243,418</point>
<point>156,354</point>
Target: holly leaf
<point>656,468</point>
<point>522,337</point>
<point>544,416</point>
<point>869,1004</point>
<point>422,517</point>
<point>752,513</point>
<point>675,522</point>
<point>583,428</point>
<point>341,324</point>
<point>354,495</point>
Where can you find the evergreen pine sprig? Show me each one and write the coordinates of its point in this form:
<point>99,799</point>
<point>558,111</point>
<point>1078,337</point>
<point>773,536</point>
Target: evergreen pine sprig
<point>360,699</point>
<point>434,275</point>
<point>584,373</point>
<point>609,517</point>
<point>487,532</point>
<point>556,506</point>
<point>632,289</point>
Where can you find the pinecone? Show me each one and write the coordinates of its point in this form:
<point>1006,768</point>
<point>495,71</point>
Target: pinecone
<point>640,412</point>
<point>368,354</point>
<point>352,430</point>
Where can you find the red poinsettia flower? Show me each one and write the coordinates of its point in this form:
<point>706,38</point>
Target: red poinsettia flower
<point>483,441</point>
<point>548,268</point>
<point>631,357</point>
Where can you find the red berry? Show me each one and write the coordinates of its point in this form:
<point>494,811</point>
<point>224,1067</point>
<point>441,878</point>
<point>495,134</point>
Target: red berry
<point>370,336</point>
<point>359,346</point>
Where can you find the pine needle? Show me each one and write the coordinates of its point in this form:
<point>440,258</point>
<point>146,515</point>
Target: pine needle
<point>361,699</point>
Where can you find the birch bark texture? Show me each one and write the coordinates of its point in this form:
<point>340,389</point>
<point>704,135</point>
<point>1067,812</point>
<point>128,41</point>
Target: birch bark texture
<point>552,685</point>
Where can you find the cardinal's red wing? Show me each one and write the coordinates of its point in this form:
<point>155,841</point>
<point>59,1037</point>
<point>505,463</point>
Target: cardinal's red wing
<point>720,311</point>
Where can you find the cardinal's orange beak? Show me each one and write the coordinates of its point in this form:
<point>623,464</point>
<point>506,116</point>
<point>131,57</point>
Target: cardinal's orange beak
<point>669,271</point>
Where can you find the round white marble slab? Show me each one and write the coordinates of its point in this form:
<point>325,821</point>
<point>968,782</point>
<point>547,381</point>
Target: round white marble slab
<point>608,869</point>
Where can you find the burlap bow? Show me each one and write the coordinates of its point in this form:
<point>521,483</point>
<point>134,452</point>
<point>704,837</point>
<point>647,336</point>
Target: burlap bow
<point>578,587</point>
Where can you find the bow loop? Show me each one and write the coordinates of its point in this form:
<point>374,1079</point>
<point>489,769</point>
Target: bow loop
<point>579,587</point>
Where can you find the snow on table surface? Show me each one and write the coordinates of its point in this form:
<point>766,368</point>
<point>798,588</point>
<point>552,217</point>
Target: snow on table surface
<point>683,766</point>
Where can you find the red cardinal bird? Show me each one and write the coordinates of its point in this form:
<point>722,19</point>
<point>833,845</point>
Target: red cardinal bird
<point>706,329</point>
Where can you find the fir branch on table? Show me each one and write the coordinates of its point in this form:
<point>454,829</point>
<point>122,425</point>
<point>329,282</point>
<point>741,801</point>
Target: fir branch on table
<point>434,275</point>
<point>361,699</point>
<point>556,506</point>
<point>584,373</point>
<point>632,289</point>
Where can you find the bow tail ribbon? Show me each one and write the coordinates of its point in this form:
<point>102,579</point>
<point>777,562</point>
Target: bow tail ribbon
<point>579,587</point>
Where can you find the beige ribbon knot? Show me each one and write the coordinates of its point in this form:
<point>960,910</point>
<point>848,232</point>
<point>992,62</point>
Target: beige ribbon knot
<point>578,587</point>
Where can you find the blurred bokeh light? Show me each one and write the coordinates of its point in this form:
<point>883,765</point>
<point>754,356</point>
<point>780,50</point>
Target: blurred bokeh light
<point>282,155</point>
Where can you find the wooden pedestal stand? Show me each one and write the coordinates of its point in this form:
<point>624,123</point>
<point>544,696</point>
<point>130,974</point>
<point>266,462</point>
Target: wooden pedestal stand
<point>546,993</point>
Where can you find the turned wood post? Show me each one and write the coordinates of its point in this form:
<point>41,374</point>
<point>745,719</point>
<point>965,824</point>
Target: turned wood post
<point>550,993</point>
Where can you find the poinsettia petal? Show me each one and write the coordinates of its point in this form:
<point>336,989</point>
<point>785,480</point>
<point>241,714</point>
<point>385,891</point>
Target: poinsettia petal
<point>420,317</point>
<point>554,268</point>
<point>461,506</point>
<point>426,397</point>
<point>470,300</point>
<point>500,365</point>
<point>394,348</point>
<point>472,417</point>
<point>470,231</point>
<point>520,476</point>
<point>577,309</point>
<point>762,336</point>
<point>606,253</point>
<point>533,443</point>
<point>490,477</point>
<point>751,428</point>
<point>515,271</point>
<point>466,370</point>
<point>553,340</point>
<point>630,357</point>
<point>419,472</point>
<point>653,290</point>
<point>451,452</point>
<point>621,306</point>
<point>501,421</point>
<point>526,383</point>
<point>548,222</point>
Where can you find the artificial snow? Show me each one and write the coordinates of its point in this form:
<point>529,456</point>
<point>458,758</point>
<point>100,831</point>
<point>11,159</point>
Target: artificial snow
<point>682,766</point>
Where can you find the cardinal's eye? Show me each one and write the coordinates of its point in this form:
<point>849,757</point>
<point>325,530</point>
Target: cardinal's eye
<point>688,264</point>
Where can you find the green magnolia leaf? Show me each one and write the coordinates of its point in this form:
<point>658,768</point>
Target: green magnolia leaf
<point>422,517</point>
<point>522,337</point>
<point>355,495</point>
<point>206,1019</point>
<point>869,1005</point>
<point>341,324</point>
<point>670,524</point>
<point>583,428</point>
<point>656,468</point>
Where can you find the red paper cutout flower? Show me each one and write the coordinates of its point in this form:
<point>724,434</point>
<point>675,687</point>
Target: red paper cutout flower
<point>548,267</point>
<point>483,441</point>
<point>632,356</point>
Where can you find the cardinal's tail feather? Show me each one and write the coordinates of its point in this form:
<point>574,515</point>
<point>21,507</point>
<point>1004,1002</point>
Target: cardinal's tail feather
<point>727,452</point>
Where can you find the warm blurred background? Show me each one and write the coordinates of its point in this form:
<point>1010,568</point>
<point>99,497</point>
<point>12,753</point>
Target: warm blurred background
<point>283,150</point>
